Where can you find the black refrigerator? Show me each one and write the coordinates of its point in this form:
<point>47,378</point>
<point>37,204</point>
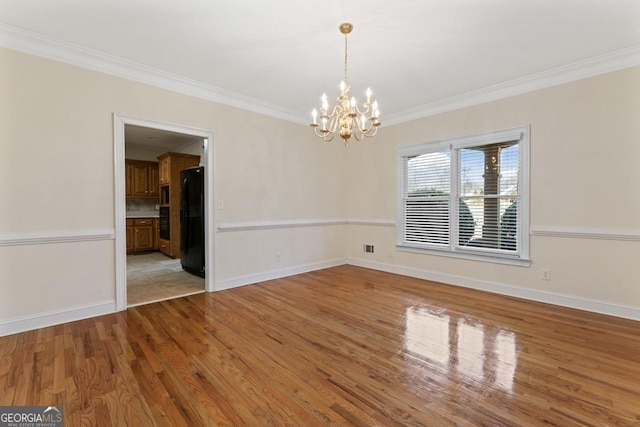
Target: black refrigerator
<point>192,220</point>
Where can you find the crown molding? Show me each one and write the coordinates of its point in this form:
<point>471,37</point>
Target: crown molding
<point>614,61</point>
<point>25,41</point>
<point>15,38</point>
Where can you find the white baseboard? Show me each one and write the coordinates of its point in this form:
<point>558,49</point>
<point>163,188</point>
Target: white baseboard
<point>277,274</point>
<point>42,320</point>
<point>595,306</point>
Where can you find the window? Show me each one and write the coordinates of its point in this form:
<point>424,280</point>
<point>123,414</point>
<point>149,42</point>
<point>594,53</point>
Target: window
<point>467,197</point>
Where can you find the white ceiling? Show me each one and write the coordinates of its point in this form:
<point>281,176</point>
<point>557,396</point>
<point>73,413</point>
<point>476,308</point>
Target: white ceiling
<point>286,53</point>
<point>157,139</point>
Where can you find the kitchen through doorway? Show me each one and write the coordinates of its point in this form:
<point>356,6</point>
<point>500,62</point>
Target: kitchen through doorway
<point>154,161</point>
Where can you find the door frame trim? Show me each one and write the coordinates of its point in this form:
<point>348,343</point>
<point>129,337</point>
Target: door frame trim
<point>119,122</point>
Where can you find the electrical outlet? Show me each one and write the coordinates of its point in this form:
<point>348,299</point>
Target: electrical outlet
<point>220,204</point>
<point>546,274</point>
<point>278,256</point>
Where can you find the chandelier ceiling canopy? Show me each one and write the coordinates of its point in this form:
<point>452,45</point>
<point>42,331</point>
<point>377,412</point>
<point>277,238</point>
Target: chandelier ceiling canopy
<point>347,118</point>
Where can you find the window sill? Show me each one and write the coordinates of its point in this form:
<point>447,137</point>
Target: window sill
<point>497,259</point>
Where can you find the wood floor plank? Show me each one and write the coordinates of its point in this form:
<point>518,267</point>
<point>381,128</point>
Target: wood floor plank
<point>344,346</point>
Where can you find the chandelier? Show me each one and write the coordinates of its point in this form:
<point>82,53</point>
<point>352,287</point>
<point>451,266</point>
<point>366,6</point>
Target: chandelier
<point>347,118</point>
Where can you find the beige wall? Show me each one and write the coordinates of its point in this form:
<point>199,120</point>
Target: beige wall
<point>56,176</point>
<point>585,175</point>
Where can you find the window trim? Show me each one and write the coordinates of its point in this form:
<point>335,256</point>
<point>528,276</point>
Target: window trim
<point>520,134</point>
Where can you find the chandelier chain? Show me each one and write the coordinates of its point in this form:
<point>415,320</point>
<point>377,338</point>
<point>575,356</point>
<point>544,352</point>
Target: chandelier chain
<point>345,59</point>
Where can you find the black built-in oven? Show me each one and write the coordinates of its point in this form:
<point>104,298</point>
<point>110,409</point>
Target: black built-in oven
<point>164,223</point>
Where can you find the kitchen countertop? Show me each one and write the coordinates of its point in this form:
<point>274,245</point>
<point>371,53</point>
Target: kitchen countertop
<point>142,214</point>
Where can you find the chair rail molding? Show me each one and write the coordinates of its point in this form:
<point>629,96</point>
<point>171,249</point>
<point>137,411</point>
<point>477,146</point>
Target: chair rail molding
<point>586,233</point>
<point>56,236</point>
<point>298,223</point>
<point>270,225</point>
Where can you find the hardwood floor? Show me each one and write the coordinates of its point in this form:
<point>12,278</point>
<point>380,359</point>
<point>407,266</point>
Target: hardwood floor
<point>341,346</point>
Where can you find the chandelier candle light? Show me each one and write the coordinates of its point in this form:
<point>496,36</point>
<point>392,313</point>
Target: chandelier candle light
<point>350,118</point>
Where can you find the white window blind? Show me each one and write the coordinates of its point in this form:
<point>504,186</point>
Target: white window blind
<point>466,196</point>
<point>427,198</point>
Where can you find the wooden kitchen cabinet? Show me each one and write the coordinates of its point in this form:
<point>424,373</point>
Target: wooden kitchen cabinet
<point>143,238</point>
<point>154,181</point>
<point>129,229</point>
<point>164,246</point>
<point>164,170</point>
<point>156,234</point>
<point>142,179</point>
<point>141,234</point>
<point>139,180</point>
<point>128,178</point>
<point>170,166</point>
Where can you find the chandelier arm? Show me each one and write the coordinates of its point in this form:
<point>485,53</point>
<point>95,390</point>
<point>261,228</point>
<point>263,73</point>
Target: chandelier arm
<point>365,111</point>
<point>368,132</point>
<point>364,131</point>
<point>320,134</point>
<point>372,132</point>
<point>336,110</point>
<point>333,123</point>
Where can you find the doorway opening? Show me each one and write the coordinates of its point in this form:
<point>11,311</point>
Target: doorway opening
<point>151,264</point>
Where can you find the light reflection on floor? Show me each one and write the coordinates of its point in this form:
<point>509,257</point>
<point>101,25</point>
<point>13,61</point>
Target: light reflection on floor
<point>427,334</point>
<point>487,356</point>
<point>470,349</point>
